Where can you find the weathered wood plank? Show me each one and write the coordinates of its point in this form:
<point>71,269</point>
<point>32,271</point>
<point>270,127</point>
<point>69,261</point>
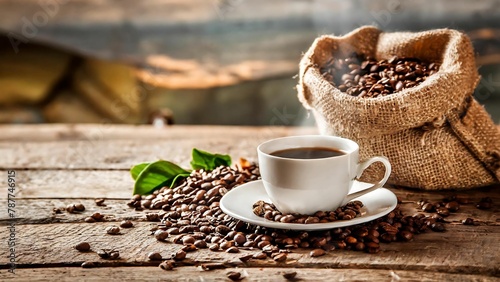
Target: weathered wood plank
<point>105,131</point>
<point>462,249</point>
<point>120,147</point>
<point>70,183</point>
<point>40,210</point>
<point>192,273</point>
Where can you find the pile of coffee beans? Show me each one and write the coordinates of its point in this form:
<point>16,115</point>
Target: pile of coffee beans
<point>189,214</point>
<point>366,77</point>
<point>270,212</point>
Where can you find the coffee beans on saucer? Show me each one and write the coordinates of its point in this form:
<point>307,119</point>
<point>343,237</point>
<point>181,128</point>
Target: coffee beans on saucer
<point>361,76</point>
<point>270,212</point>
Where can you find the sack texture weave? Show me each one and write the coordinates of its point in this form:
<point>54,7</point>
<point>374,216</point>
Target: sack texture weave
<point>435,135</point>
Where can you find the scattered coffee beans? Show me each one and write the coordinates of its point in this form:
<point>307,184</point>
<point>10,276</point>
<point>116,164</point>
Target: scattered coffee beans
<point>83,247</point>
<point>189,214</point>
<point>290,275</point>
<point>366,77</point>
<point>269,211</point>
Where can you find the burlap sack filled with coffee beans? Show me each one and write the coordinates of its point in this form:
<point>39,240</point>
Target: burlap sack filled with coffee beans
<point>435,135</point>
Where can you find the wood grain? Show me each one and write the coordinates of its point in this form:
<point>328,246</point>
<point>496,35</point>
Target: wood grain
<point>40,210</point>
<point>192,273</point>
<point>455,251</point>
<point>120,147</point>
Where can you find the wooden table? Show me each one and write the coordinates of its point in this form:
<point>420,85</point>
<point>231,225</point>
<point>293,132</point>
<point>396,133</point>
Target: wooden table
<point>57,165</point>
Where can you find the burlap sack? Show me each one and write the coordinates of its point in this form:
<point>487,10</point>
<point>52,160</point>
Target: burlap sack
<point>435,135</point>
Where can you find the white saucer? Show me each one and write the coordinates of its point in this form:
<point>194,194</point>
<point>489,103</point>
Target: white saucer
<point>239,201</point>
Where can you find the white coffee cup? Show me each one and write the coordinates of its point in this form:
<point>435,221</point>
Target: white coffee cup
<point>306,186</point>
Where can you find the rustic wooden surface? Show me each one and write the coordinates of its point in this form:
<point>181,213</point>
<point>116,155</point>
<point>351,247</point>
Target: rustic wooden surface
<point>62,164</point>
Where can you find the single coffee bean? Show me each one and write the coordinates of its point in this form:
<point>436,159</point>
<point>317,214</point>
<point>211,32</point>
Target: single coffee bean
<point>154,256</point>
<point>97,216</point>
<point>406,235</point>
<point>200,244</point>
<point>233,275</point>
<point>280,257</point>
<point>189,248</point>
<point>79,207</point>
<point>113,230</point>
<point>290,275</point>
<point>83,247</point>
<point>260,255</point>
<point>188,240</point>
<point>444,212</point>
<point>161,235</point>
<point>452,206</point>
<point>167,265</point>
<point>233,250</point>
<point>438,227</point>
<point>71,208</point>
<point>114,254</point>
<point>88,264</point>
<point>99,202</point>
<point>126,224</point>
<point>179,255</point>
<point>468,221</point>
<point>317,253</point>
<point>214,247</point>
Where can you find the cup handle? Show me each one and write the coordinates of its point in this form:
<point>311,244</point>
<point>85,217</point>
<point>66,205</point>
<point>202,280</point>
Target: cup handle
<point>377,185</point>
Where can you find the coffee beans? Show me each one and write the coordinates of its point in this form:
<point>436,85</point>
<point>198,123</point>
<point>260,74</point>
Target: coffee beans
<point>290,275</point>
<point>108,254</point>
<point>113,230</point>
<point>154,256</point>
<point>270,212</point>
<point>126,224</point>
<point>317,253</point>
<point>485,204</point>
<point>361,76</point>
<point>88,264</point>
<point>83,247</point>
<point>233,275</point>
<point>100,202</point>
<point>167,265</point>
<point>187,216</point>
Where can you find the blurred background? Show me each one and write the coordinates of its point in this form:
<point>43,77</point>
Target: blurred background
<point>230,62</point>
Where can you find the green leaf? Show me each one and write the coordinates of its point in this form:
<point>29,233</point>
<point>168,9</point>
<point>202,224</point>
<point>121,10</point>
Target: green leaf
<point>157,174</point>
<point>135,170</point>
<point>208,161</point>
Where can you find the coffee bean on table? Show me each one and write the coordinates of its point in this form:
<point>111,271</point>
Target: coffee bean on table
<point>195,219</point>
<point>167,265</point>
<point>317,253</point>
<point>83,247</point>
<point>88,264</point>
<point>113,230</point>
<point>234,275</point>
<point>154,256</point>
<point>290,275</point>
<point>99,202</point>
<point>126,224</point>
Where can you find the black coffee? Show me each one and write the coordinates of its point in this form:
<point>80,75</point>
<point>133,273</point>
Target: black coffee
<point>308,153</point>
